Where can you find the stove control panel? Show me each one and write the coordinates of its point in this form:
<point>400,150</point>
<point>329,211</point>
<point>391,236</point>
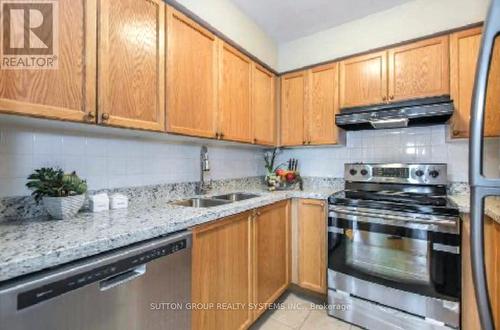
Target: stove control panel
<point>413,173</point>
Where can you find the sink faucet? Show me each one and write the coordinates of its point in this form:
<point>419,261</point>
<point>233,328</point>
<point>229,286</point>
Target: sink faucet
<point>203,187</point>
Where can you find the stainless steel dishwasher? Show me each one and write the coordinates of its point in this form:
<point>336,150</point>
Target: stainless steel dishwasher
<point>143,286</point>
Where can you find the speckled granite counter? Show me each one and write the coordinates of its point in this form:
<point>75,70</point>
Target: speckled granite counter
<point>492,205</point>
<point>31,245</point>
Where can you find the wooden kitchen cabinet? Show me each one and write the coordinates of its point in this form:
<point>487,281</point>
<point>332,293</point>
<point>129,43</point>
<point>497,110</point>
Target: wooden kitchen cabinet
<point>293,105</point>
<point>192,74</point>
<point>222,271</point>
<point>470,317</point>
<point>235,103</point>
<point>131,70</point>
<point>419,69</point>
<point>312,253</point>
<point>65,93</point>
<point>323,105</point>
<point>363,80</point>
<point>272,253</point>
<point>264,108</point>
<point>464,52</point>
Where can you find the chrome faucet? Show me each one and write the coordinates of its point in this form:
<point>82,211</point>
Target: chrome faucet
<point>203,186</point>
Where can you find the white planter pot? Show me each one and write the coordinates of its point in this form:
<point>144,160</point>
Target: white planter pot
<point>63,207</point>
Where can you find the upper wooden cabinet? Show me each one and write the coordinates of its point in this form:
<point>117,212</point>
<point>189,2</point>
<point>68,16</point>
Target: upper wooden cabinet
<point>192,62</point>
<point>419,69</point>
<point>131,72</point>
<point>223,272</point>
<point>363,80</point>
<point>464,51</point>
<point>263,104</point>
<point>323,105</point>
<point>68,92</point>
<point>235,108</point>
<point>415,70</point>
<point>272,253</point>
<point>293,104</point>
<point>312,245</point>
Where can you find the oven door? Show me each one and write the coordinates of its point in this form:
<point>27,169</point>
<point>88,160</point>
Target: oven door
<point>399,254</point>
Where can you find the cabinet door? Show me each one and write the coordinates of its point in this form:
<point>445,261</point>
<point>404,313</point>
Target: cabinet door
<point>272,253</point>
<point>470,319</point>
<point>191,77</point>
<point>264,109</point>
<point>68,92</point>
<point>235,80</point>
<point>363,80</point>
<point>293,103</point>
<point>419,69</point>
<point>323,105</point>
<point>131,64</point>
<point>222,273</point>
<point>312,245</point>
<point>464,50</point>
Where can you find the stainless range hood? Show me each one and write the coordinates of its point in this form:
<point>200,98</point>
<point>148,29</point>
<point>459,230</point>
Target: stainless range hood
<point>425,111</point>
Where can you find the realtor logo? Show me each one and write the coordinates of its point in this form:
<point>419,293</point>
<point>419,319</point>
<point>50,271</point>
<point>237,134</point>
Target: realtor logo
<point>29,36</point>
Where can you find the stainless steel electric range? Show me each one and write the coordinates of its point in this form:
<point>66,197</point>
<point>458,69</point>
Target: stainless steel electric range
<point>394,248</point>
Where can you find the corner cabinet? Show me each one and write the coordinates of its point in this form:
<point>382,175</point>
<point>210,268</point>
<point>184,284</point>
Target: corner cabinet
<point>464,52</point>
<point>242,260</point>
<point>65,93</point>
<point>264,107</point>
<point>131,70</point>
<point>272,254</point>
<point>312,245</point>
<point>192,75</point>
<point>222,270</point>
<point>235,95</point>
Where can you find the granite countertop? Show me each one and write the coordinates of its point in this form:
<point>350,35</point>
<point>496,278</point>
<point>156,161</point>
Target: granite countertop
<point>32,245</point>
<point>492,205</point>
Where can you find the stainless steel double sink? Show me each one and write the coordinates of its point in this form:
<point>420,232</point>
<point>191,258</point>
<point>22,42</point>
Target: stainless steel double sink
<point>203,202</point>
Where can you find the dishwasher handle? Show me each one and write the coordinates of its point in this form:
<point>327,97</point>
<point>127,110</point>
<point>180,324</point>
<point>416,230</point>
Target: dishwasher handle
<point>122,278</point>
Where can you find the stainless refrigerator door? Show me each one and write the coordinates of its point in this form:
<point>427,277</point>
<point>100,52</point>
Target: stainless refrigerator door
<point>483,174</point>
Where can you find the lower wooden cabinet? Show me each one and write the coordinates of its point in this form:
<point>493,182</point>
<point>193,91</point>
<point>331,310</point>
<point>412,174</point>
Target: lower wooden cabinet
<point>272,254</point>
<point>312,245</point>
<point>470,317</point>
<point>241,261</point>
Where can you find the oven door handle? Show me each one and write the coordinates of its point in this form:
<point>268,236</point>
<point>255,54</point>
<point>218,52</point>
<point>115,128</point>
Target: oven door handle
<point>335,230</point>
<point>351,213</point>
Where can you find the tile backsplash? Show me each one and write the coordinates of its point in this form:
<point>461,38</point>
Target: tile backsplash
<point>419,144</point>
<point>109,162</point>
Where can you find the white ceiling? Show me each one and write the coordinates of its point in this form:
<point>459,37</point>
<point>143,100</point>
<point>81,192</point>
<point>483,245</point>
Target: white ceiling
<point>285,20</point>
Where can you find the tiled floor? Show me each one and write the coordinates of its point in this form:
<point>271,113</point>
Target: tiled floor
<point>299,312</point>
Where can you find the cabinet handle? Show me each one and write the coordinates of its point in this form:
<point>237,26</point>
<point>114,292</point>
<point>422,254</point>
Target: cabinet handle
<point>384,98</point>
<point>217,135</point>
<point>105,116</point>
<point>221,135</point>
<point>309,142</point>
<point>91,116</point>
<point>456,132</point>
<point>254,140</point>
<point>258,213</point>
<point>391,97</point>
<point>304,142</point>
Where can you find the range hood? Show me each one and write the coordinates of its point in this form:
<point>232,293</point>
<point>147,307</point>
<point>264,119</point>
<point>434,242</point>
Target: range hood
<point>419,112</point>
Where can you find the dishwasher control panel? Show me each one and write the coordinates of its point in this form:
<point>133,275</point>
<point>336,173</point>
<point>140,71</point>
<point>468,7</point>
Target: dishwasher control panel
<point>58,287</point>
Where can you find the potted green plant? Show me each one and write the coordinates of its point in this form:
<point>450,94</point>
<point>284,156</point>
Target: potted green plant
<point>62,193</point>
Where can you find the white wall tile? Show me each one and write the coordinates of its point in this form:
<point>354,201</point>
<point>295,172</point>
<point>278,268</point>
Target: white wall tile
<point>415,144</point>
<point>109,162</point>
